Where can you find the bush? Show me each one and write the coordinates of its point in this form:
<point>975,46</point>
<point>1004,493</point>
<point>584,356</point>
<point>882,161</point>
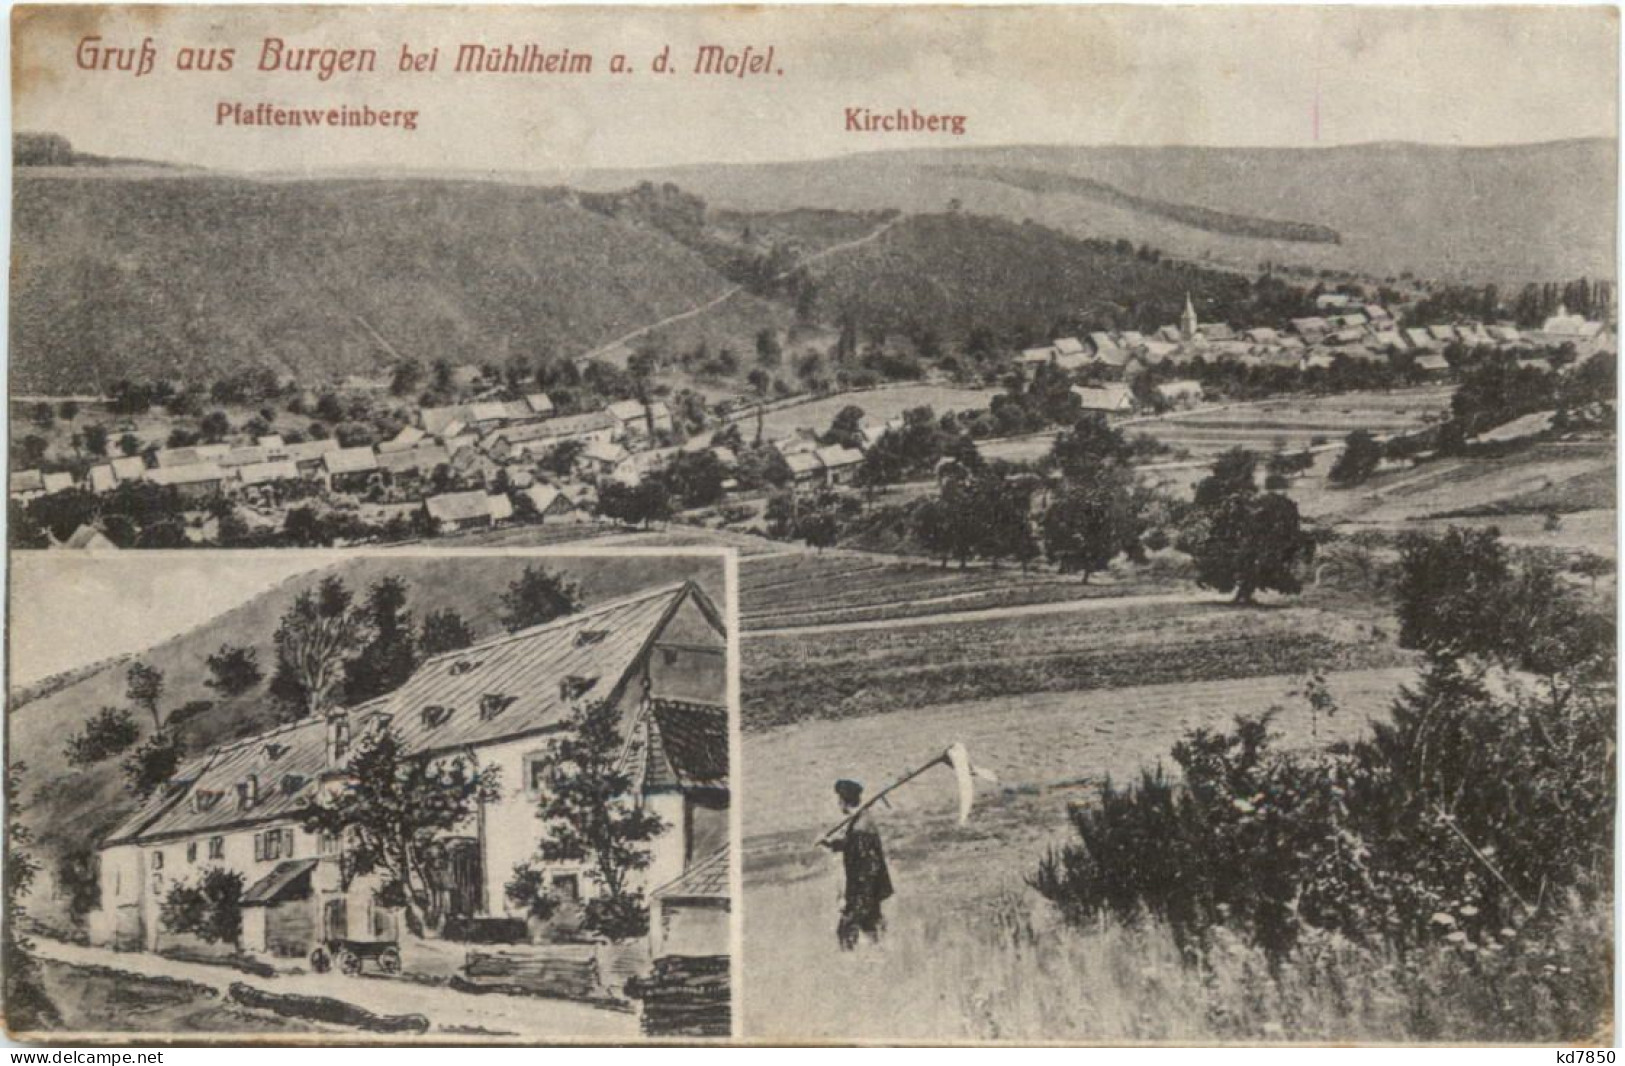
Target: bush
<point>150,766</point>
<point>617,918</point>
<point>211,909</point>
<point>111,731</point>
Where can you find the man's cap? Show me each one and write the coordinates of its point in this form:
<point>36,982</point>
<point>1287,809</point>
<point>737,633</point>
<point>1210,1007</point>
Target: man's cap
<point>848,790</point>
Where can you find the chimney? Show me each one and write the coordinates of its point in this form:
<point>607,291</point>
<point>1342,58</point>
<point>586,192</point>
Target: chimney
<point>338,739</point>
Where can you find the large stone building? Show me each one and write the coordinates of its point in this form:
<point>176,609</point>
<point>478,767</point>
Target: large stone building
<point>659,657</point>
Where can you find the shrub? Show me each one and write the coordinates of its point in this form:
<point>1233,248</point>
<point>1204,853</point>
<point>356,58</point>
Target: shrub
<point>528,888</point>
<point>210,909</point>
<point>150,766</point>
<point>111,731</point>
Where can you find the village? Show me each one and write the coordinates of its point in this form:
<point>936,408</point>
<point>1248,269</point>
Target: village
<point>504,456</point>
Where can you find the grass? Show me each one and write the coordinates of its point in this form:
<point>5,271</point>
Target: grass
<point>96,1000</point>
<point>1004,969</point>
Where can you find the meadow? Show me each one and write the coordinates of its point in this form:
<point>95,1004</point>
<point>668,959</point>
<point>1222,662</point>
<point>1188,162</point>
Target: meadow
<point>879,405</point>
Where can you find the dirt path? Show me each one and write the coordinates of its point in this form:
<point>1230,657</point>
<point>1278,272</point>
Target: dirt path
<point>736,290</point>
<point>1099,603</point>
<point>445,1009</point>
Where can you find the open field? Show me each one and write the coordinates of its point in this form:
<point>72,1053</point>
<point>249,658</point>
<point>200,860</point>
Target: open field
<point>797,677</point>
<point>879,405</point>
<point>803,590</point>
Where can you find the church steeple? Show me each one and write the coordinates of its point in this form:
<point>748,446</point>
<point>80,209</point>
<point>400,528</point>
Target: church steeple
<point>1187,320</point>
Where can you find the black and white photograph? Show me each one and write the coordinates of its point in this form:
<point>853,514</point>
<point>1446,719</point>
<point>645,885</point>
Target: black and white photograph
<point>998,525</point>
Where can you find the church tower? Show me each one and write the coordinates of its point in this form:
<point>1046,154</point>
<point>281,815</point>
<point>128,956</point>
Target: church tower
<point>1187,320</point>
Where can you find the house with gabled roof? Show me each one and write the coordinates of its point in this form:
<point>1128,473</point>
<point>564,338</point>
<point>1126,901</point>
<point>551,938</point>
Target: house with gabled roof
<point>658,657</point>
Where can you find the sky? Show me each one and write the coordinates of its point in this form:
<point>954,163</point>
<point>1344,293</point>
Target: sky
<point>1107,75</point>
<point>70,609</point>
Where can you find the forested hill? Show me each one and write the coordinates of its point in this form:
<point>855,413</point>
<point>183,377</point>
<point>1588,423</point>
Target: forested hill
<point>192,277</point>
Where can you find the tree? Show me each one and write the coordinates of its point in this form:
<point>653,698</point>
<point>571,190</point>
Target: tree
<point>94,439</point>
<point>109,732</point>
<point>1091,522</point>
<point>1234,474</point>
<point>28,1007</point>
<point>211,909</point>
<point>233,670</point>
<point>215,426</point>
<point>151,766</point>
<point>443,630</point>
<point>42,415</point>
<point>1358,461</point>
<point>638,505</point>
<point>317,636</point>
<point>68,410</point>
<point>393,814</point>
<point>537,597</point>
<point>695,478</point>
<point>129,444</point>
<point>1091,443</point>
<point>389,658</point>
<point>590,819</point>
<point>144,687</point>
<point>1253,542</point>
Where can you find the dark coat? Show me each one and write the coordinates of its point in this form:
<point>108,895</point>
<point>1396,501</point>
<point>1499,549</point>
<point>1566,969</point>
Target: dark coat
<point>868,881</point>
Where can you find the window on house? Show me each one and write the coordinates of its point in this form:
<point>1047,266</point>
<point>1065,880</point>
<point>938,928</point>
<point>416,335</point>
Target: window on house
<point>327,844</point>
<point>435,714</point>
<point>535,774</point>
<point>567,887</point>
<point>590,636</point>
<point>157,860</point>
<point>287,843</point>
<point>493,704</point>
<point>217,847</point>
<point>191,851</point>
<point>574,687</point>
<point>669,655</point>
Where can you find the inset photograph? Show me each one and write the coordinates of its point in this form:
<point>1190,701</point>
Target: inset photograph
<point>370,796</point>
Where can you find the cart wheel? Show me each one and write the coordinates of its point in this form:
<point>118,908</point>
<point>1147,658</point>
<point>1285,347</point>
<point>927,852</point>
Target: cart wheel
<point>389,960</point>
<point>320,960</point>
<point>349,962</point>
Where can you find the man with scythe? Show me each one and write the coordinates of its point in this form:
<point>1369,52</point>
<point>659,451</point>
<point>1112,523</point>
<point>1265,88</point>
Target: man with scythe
<point>868,881</point>
<point>857,839</point>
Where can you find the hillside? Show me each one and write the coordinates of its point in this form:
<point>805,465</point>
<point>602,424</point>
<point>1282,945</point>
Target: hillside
<point>72,808</point>
<point>953,272</point>
<point>1506,214</point>
<point>187,277</point>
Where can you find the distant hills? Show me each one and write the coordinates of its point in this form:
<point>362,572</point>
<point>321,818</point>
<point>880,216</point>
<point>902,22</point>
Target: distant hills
<point>142,273</point>
<point>1505,214</point>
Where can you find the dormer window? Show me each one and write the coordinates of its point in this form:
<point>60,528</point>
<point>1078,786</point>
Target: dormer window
<point>248,792</point>
<point>436,714</point>
<point>378,723</point>
<point>493,704</point>
<point>292,783</point>
<point>575,686</point>
<point>462,666</point>
<point>590,636</point>
<point>205,799</point>
<point>273,752</point>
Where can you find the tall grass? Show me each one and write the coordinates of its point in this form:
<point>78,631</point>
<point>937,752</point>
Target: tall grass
<point>1005,969</point>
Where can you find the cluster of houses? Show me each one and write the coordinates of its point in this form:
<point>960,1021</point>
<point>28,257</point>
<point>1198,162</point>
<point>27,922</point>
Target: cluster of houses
<point>491,450</point>
<point>1343,328</point>
<point>658,657</point>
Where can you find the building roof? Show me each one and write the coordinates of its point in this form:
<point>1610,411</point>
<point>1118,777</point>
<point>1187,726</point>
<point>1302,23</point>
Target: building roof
<point>277,470</point>
<point>515,685</point>
<point>1102,341</point>
<point>58,481</point>
<point>422,458</point>
<point>458,506</point>
<point>544,496</point>
<point>604,451</point>
<point>129,467</point>
<point>247,455</point>
<point>1104,398</point>
<point>308,450</point>
<point>1433,362</point>
<point>803,462</point>
<point>1036,355</point>
<point>290,880</point>
<point>350,461</point>
<point>539,403</point>
<point>706,879</point>
<point>101,477</point>
<point>501,506</point>
<point>27,481</point>
<point>688,745</point>
<point>190,474</point>
<point>625,410</point>
<point>88,538</point>
<point>837,455</point>
<point>1068,346</point>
